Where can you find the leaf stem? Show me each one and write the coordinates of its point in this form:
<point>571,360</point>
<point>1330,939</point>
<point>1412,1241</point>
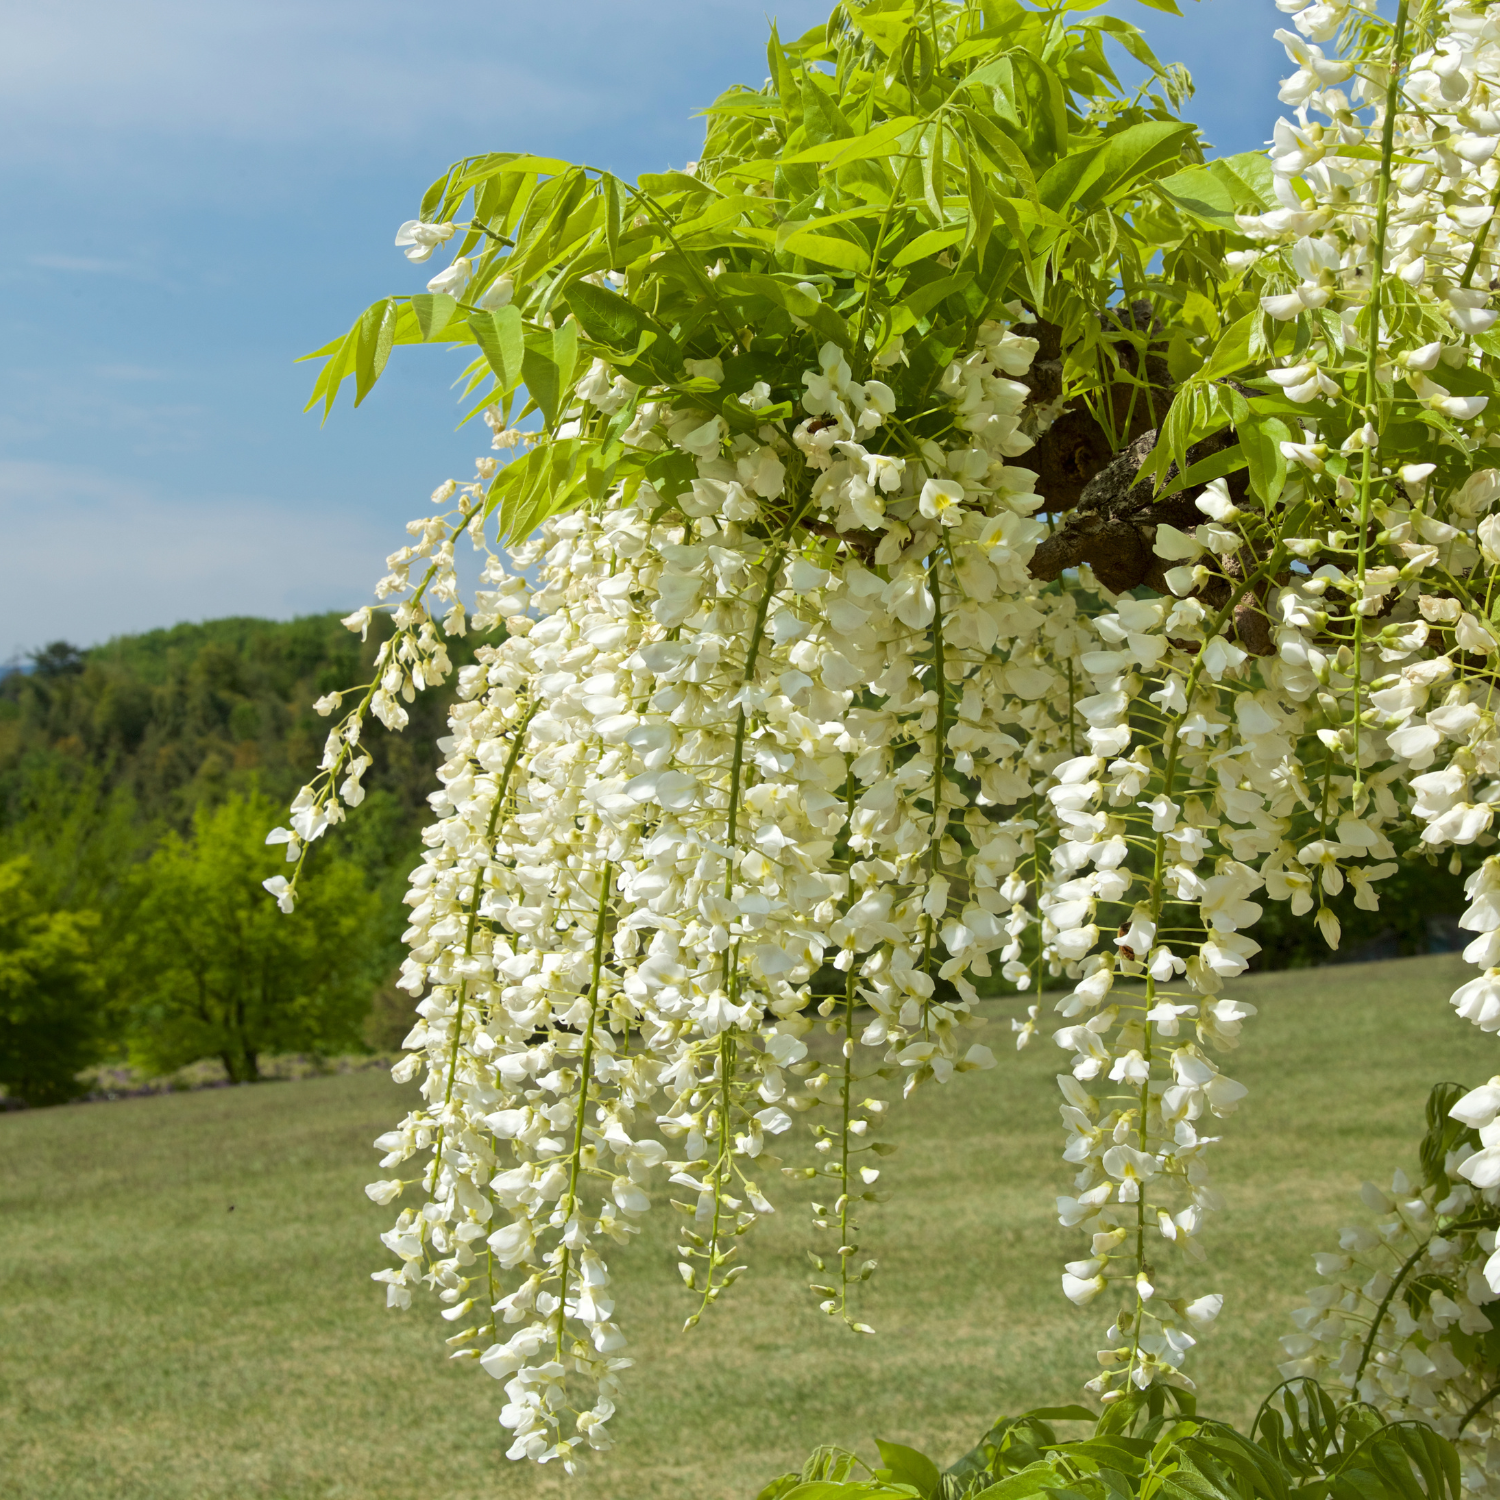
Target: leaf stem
<point>939,746</point>
<point>1385,1302</point>
<point>1158,900</point>
<point>1372,360</point>
<point>1484,234</point>
<point>1479,1406</point>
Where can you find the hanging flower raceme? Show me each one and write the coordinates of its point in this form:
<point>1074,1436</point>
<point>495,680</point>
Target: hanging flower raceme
<point>1401,1316</point>
<point>1272,721</point>
<point>1394,247</point>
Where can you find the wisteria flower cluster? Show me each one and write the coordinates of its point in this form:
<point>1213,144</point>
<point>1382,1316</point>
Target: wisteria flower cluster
<point>890,613</point>
<point>643,789</point>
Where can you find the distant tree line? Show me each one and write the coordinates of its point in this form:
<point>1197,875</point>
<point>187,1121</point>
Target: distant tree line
<point>137,783</point>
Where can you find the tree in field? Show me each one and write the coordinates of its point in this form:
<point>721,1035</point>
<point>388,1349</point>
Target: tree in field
<point>51,995</point>
<point>209,969</point>
<point>968,539</point>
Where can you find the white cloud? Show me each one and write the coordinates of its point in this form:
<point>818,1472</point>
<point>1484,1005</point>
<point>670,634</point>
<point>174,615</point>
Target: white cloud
<point>88,556</point>
<point>278,72</point>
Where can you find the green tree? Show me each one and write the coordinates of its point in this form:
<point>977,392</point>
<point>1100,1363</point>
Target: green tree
<point>50,992</point>
<point>212,969</point>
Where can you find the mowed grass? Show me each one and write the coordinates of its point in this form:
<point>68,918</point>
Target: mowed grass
<point>187,1311</point>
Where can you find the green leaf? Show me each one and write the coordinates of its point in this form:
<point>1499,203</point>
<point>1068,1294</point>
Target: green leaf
<point>1194,414</point>
<point>1215,466</point>
<point>826,1489</point>
<point>610,319</point>
<point>1110,168</point>
<point>995,140</point>
<point>789,295</point>
<point>999,77</point>
<point>329,348</point>
<point>822,119</point>
<point>828,250</point>
<point>529,490</point>
<point>981,209</point>
<point>1214,192</point>
<point>499,336</point>
<point>1232,352</point>
<point>433,196</point>
<point>1127,1455</point>
<point>789,227</point>
<point>926,297</point>
<point>718,212</point>
<point>434,312</point>
<point>1054,99</point>
<point>1260,440</point>
<point>887,32</point>
<point>501,162</point>
<point>839,152</point>
<point>613,222</point>
<point>1131,39</point>
<point>494,200</point>
<point>669,184</point>
<point>907,1466</point>
<point>548,366</point>
<point>1034,1479</point>
<point>1361,152</point>
<point>739,101</point>
<point>377,330</point>
<point>782,79</point>
<point>1133,153</point>
<point>1033,270</point>
<point>1183,359</point>
<point>671,473</point>
<point>1444,1134</point>
<point>780,1486</point>
<point>339,362</point>
<point>934,180</point>
<point>927,244</point>
<point>1061,1414</point>
<point>1184,1484</point>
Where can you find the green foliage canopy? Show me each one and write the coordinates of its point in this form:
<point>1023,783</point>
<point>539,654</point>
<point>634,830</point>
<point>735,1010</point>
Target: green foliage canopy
<point>903,173</point>
<point>1153,1443</point>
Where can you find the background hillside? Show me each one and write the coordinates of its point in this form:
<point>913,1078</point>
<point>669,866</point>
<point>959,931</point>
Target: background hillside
<point>106,753</point>
<point>101,750</point>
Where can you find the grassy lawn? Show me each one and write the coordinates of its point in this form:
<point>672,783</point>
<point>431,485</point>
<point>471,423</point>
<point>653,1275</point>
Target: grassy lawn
<point>187,1311</point>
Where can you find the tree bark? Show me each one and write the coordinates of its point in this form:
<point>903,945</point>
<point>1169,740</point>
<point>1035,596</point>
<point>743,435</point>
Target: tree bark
<point>1113,530</point>
<point>1077,446</point>
<point>1109,517</point>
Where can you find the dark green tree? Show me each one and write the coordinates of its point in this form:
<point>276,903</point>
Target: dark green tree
<point>50,992</point>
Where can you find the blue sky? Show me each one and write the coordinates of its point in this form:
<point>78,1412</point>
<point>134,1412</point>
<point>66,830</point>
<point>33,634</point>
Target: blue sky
<point>198,193</point>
